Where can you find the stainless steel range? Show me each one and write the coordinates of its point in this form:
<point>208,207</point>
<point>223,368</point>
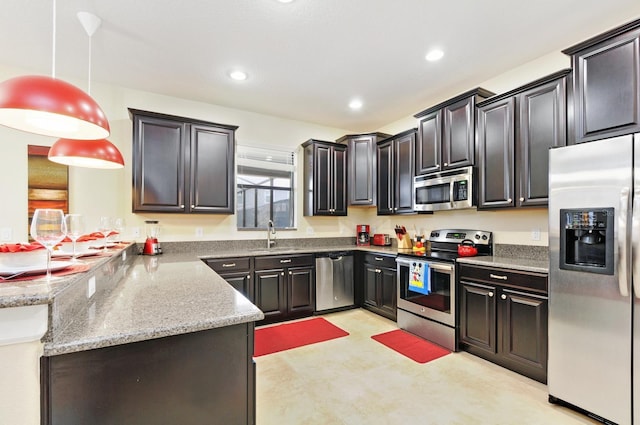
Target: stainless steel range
<point>427,285</point>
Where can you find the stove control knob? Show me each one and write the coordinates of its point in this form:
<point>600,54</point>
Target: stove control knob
<point>477,236</point>
<point>484,237</point>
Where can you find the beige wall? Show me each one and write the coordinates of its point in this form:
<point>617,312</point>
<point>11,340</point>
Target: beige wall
<point>105,192</point>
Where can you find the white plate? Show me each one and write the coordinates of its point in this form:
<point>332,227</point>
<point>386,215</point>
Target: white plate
<point>55,266</point>
<point>79,253</point>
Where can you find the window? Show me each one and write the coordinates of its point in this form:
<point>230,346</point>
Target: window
<point>265,188</point>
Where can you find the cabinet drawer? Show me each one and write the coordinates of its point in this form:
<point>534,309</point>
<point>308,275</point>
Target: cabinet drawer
<point>280,261</point>
<point>223,265</point>
<point>529,281</point>
<point>381,260</point>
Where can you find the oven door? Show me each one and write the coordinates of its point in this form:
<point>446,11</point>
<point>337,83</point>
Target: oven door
<point>439,304</point>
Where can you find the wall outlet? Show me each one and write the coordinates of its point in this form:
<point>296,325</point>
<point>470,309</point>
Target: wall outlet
<point>199,232</point>
<point>91,286</point>
<point>135,232</point>
<point>535,234</point>
<point>5,234</point>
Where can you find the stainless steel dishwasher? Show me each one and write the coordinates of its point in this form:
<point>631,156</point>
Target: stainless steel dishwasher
<point>334,280</point>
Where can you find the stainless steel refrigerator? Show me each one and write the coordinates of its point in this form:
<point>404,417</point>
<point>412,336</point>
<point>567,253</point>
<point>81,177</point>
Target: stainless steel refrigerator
<point>594,278</point>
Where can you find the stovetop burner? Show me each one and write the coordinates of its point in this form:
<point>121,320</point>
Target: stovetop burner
<point>444,244</point>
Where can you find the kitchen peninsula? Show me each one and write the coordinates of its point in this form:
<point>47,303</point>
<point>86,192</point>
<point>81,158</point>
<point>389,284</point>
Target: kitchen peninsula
<point>132,326</point>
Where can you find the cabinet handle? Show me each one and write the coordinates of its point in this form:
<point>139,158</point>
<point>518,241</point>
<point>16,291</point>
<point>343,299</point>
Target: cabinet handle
<point>290,273</point>
<point>378,271</point>
<point>509,200</point>
<point>490,294</point>
<point>288,260</point>
<point>248,276</point>
<point>193,206</point>
<point>282,274</point>
<point>521,199</point>
<point>370,200</point>
<point>379,259</point>
<point>497,276</point>
<point>229,265</point>
<point>181,205</point>
<point>503,296</point>
<point>445,164</point>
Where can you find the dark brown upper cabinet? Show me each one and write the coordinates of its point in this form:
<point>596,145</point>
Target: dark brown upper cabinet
<point>515,132</point>
<point>446,133</point>
<point>362,166</point>
<point>325,178</point>
<point>181,165</point>
<point>606,84</point>
<point>396,169</point>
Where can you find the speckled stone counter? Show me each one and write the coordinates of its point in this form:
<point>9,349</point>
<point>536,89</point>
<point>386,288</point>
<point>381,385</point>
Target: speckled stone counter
<point>148,297</point>
<point>523,264</point>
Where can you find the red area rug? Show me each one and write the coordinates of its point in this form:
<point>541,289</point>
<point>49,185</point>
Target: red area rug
<point>411,346</point>
<point>291,335</point>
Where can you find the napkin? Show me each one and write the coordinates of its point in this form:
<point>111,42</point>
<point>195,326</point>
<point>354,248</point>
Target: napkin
<point>20,247</point>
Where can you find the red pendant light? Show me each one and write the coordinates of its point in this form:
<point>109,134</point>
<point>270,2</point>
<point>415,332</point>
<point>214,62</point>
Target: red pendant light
<point>86,153</point>
<point>51,107</point>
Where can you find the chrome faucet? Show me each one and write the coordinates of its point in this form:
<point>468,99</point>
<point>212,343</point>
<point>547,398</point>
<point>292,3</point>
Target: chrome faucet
<point>271,232</point>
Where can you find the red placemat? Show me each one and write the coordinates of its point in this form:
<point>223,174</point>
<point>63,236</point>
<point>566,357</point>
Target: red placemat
<point>76,268</point>
<point>411,346</point>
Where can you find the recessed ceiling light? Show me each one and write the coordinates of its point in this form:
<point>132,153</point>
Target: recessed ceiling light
<point>238,75</point>
<point>434,55</point>
<point>285,1</point>
<point>355,104</point>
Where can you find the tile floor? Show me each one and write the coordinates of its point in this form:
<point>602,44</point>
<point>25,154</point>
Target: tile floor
<point>356,380</point>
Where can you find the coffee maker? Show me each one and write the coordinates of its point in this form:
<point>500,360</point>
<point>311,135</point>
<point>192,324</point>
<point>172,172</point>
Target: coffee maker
<point>151,245</point>
<point>362,232</point>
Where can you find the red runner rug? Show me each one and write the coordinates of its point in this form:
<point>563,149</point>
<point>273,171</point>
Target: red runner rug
<point>411,346</point>
<point>291,335</point>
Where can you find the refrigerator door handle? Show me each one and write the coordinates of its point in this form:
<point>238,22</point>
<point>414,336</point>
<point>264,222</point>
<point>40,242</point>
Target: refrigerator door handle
<point>635,240</point>
<point>623,278</point>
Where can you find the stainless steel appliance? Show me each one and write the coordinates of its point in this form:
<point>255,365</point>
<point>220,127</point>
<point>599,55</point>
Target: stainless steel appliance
<point>445,190</point>
<point>594,280</point>
<point>427,285</point>
<point>334,280</point>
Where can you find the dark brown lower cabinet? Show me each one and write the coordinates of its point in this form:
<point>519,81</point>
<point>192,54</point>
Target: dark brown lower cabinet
<point>205,377</point>
<point>236,271</point>
<point>380,287</point>
<point>505,323</point>
<point>284,287</point>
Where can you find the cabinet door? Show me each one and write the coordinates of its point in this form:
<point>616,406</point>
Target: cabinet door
<point>159,148</point>
<point>458,139</point>
<point>385,185</point>
<point>212,173</point>
<point>524,332</point>
<point>541,125</point>
<point>478,316</point>
<point>241,282</point>
<point>370,285</point>
<point>607,88</point>
<point>495,145</point>
<point>362,171</point>
<point>338,183</point>
<point>322,180</point>
<point>301,290</point>
<point>270,294</point>
<point>429,143</point>
<point>404,173</point>
<point>388,292</point>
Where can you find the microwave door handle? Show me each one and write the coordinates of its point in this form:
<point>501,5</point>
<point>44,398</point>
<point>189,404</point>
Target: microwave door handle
<point>623,265</point>
<point>635,243</point>
<point>451,184</point>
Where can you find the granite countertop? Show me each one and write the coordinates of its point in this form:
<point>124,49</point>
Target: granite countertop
<point>159,296</point>
<point>256,252</point>
<point>524,264</point>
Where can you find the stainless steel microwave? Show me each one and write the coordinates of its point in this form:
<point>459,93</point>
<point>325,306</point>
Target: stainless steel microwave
<point>445,190</point>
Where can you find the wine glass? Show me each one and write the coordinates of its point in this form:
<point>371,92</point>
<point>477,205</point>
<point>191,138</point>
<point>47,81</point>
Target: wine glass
<point>106,225</point>
<point>75,229</point>
<point>118,227</point>
<point>49,228</point>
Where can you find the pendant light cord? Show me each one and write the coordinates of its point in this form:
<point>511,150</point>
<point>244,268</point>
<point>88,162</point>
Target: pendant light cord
<point>53,65</point>
<point>89,77</point>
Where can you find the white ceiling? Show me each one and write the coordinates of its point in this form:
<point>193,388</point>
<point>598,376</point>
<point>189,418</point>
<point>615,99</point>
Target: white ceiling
<point>305,59</point>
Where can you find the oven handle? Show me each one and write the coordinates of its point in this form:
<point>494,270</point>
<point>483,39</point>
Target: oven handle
<point>441,267</point>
